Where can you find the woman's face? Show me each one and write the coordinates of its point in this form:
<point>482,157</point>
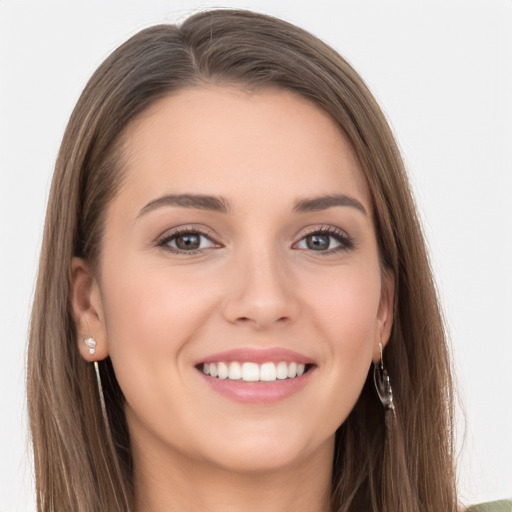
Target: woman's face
<point>241,243</point>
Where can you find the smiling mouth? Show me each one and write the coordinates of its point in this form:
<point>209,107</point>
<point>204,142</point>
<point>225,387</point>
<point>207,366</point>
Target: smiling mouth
<point>254,372</point>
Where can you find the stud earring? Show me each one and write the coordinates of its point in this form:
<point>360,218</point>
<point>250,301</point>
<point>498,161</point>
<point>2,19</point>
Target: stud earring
<point>91,343</point>
<point>383,384</point>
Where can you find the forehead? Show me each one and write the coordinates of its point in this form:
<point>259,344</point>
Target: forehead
<point>235,143</point>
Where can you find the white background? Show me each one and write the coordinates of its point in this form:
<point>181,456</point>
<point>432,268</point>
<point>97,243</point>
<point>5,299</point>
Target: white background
<point>442,70</point>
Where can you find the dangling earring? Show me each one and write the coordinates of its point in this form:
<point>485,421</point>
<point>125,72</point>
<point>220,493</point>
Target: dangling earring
<point>383,384</point>
<point>91,343</point>
<point>102,396</point>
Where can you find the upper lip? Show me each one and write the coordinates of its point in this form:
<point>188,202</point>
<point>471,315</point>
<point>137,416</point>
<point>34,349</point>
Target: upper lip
<point>257,355</point>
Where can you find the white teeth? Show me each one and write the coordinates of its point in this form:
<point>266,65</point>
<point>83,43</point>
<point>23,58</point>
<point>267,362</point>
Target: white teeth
<point>253,372</point>
<point>235,371</point>
<point>250,372</point>
<point>268,372</point>
<point>282,370</point>
<point>222,369</point>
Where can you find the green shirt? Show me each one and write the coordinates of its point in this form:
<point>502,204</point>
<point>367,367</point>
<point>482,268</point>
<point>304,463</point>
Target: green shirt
<point>493,506</point>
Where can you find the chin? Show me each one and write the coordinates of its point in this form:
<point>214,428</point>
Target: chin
<point>258,461</point>
<point>267,452</point>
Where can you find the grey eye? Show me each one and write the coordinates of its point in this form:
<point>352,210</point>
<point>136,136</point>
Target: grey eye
<point>319,242</point>
<point>188,241</point>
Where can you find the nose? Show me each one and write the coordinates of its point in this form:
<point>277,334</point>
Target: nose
<point>262,293</point>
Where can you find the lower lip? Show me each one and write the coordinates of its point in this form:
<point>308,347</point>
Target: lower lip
<point>258,392</point>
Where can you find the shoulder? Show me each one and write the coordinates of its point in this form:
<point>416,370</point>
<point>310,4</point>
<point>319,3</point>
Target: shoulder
<point>493,506</point>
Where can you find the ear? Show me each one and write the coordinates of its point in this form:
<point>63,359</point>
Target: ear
<point>88,310</point>
<point>385,312</point>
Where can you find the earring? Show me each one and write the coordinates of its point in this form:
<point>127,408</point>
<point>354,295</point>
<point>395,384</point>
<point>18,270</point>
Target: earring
<point>102,397</point>
<point>383,384</point>
<point>91,343</point>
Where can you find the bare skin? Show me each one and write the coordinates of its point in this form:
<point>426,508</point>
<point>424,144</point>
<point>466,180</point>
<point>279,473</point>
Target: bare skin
<point>304,486</point>
<point>286,260</point>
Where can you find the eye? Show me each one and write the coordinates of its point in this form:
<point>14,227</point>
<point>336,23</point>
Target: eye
<point>187,241</point>
<point>327,240</point>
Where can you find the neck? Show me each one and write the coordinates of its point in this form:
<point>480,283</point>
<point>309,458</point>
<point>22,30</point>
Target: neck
<point>175,483</point>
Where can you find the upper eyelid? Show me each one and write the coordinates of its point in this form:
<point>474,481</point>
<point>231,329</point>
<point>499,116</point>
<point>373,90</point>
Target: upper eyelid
<point>185,228</point>
<point>321,228</point>
<point>217,239</point>
<point>188,228</point>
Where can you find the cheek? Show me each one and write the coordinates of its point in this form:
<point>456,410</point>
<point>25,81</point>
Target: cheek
<point>152,306</point>
<point>151,319</point>
<point>345,315</point>
<point>346,305</point>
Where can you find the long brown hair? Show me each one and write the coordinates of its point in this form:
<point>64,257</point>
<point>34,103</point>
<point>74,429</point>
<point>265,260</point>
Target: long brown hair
<point>405,467</point>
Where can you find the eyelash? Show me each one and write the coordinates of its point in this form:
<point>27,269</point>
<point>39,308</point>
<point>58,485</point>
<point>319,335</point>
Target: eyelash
<point>345,241</point>
<point>186,230</point>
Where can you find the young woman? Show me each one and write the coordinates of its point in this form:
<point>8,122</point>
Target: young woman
<point>234,308</point>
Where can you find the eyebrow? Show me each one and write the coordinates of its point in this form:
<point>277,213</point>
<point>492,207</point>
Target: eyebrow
<point>222,205</point>
<point>316,204</point>
<point>194,201</point>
